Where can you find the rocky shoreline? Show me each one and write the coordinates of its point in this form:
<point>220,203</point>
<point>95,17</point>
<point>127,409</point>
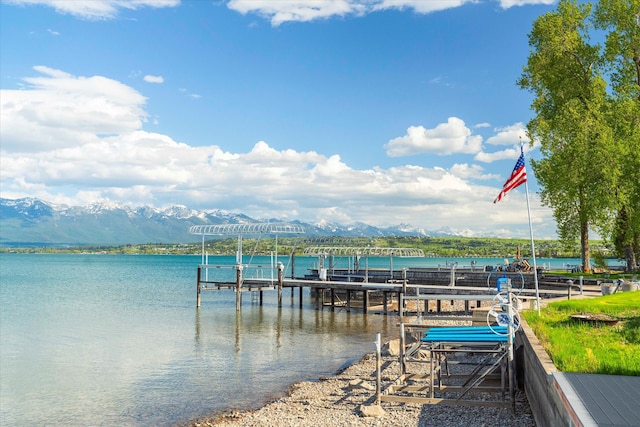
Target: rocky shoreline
<point>347,398</point>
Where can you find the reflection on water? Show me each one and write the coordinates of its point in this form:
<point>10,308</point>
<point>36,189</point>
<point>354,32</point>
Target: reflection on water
<point>117,340</point>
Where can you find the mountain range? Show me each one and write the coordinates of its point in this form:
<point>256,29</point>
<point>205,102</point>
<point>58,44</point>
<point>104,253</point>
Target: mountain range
<point>33,222</point>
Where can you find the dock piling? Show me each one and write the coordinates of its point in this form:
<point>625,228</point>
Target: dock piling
<point>238,286</point>
<point>198,288</point>
<point>280,283</point>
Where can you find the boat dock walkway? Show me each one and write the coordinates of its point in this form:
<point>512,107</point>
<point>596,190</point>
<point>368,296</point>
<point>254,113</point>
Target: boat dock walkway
<point>393,291</point>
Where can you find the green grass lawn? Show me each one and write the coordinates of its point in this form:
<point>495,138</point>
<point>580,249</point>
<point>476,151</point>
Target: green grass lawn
<point>591,347</point>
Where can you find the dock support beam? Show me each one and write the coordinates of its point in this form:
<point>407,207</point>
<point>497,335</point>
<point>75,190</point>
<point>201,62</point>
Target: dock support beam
<point>384,302</point>
<point>198,289</point>
<point>238,286</point>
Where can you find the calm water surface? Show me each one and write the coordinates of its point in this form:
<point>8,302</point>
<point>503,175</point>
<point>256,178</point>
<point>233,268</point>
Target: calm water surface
<point>117,340</point>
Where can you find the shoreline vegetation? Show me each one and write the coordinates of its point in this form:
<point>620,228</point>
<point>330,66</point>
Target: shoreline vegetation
<point>458,247</point>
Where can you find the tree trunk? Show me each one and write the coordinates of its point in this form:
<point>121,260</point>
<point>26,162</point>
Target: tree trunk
<point>584,246</point>
<point>630,257</point>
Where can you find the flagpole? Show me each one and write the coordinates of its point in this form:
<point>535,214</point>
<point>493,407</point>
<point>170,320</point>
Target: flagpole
<point>533,245</point>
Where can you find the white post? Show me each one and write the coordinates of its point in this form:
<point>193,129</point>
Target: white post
<point>378,360</point>
<point>239,252</point>
<point>510,331</point>
<point>452,278</point>
<point>533,247</point>
<point>202,248</point>
<point>581,277</point>
<point>366,269</point>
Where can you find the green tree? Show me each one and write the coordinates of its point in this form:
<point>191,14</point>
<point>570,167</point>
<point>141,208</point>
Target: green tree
<point>563,72</point>
<point>620,19</point>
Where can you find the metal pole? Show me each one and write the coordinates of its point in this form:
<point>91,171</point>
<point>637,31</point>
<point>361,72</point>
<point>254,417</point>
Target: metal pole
<point>239,253</point>
<point>378,359</point>
<point>510,331</point>
<point>403,361</point>
<point>366,269</point>
<point>533,246</point>
<point>198,289</point>
<point>280,283</point>
<point>238,286</point>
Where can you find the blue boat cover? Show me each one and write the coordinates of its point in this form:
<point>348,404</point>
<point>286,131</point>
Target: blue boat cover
<point>466,334</point>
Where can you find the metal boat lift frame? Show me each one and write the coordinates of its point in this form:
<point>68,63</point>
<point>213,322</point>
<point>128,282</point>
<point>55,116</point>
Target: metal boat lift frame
<point>240,229</point>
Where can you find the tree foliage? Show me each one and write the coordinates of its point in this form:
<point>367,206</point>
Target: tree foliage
<point>620,19</point>
<point>580,90</point>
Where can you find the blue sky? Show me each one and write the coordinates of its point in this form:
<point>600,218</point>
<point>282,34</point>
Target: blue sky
<point>375,111</point>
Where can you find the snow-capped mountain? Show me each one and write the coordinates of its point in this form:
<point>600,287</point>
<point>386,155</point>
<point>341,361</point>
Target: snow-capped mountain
<point>30,221</point>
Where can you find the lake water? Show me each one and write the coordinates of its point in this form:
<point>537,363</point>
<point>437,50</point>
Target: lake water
<point>117,339</point>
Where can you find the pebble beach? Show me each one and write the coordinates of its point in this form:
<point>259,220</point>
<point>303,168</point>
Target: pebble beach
<point>348,398</point>
<point>340,400</point>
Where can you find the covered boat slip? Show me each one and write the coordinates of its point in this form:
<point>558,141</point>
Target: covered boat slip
<point>455,366</point>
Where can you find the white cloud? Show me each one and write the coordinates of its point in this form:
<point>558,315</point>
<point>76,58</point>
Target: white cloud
<point>153,79</point>
<point>279,12</point>
<point>509,153</point>
<point>446,138</point>
<point>505,4</point>
<point>189,94</point>
<point>509,135</point>
<point>421,6</point>
<point>95,9</point>
<point>58,110</point>
<point>466,171</point>
<point>297,10</point>
<point>79,140</point>
<point>308,10</point>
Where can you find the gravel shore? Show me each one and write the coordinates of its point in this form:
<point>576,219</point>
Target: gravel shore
<point>341,399</point>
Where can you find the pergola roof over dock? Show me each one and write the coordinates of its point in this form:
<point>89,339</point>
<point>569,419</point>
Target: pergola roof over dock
<point>249,228</point>
<point>373,251</point>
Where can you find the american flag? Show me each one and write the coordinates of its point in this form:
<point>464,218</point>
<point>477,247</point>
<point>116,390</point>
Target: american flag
<point>517,178</point>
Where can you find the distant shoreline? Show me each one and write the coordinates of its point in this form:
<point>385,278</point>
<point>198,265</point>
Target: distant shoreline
<point>432,247</point>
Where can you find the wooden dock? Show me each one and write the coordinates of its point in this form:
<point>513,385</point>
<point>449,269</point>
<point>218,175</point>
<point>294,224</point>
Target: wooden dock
<point>402,291</point>
<point>406,289</point>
